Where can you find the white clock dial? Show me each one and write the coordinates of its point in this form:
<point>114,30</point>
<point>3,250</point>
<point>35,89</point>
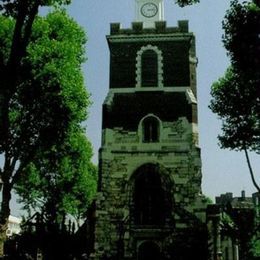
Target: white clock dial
<point>149,10</point>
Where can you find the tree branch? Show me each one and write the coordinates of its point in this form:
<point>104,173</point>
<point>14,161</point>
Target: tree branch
<point>24,163</point>
<point>28,28</point>
<point>15,54</point>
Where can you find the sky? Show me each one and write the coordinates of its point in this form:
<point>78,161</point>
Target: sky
<point>223,170</point>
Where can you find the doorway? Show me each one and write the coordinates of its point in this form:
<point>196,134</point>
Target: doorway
<point>148,251</point>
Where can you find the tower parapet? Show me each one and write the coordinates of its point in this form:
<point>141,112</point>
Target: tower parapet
<point>160,27</point>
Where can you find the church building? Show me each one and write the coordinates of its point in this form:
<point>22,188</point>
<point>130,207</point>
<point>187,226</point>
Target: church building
<point>149,203</point>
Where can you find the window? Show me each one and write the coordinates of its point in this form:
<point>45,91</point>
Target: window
<point>150,130</point>
<point>149,63</point>
<point>149,67</point>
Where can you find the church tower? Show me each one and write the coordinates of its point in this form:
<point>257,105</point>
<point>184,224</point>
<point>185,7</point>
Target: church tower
<point>149,203</point>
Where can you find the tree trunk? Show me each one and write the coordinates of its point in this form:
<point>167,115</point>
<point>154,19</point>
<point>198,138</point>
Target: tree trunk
<point>251,171</point>
<point>4,214</point>
<point>23,27</point>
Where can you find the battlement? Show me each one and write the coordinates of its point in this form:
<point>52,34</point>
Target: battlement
<point>160,27</point>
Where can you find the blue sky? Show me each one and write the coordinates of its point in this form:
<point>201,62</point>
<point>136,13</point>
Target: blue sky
<point>223,170</point>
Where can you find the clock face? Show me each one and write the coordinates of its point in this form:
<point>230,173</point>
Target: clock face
<point>149,10</point>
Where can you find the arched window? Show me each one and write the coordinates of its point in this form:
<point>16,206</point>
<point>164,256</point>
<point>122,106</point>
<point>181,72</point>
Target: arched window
<point>149,65</point>
<point>149,201</point>
<point>150,130</point>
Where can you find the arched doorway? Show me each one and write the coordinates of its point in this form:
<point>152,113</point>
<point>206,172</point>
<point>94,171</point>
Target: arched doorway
<point>149,251</point>
<point>148,197</point>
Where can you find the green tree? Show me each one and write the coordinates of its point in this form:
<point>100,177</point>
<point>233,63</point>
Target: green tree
<point>255,246</point>
<point>42,93</point>
<point>60,182</point>
<point>236,96</point>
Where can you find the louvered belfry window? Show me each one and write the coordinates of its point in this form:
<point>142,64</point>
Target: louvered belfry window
<point>149,69</point>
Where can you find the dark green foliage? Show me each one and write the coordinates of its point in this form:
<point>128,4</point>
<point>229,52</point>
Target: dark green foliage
<point>240,223</point>
<point>244,221</point>
<point>237,106</point>
<point>183,3</point>
<point>255,246</point>
<point>63,244</point>
<point>12,7</point>
<point>241,38</point>
<point>236,96</point>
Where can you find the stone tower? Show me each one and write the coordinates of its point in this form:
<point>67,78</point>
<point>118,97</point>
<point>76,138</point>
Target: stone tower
<point>149,203</point>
